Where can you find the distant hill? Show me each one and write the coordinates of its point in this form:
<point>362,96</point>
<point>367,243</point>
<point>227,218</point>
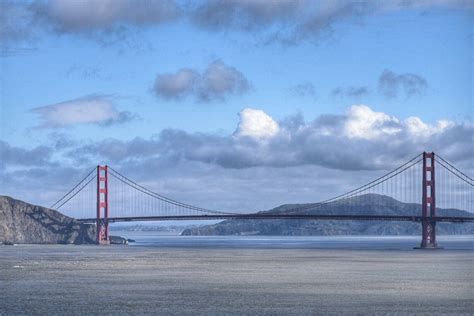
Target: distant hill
<point>21,222</point>
<point>371,204</point>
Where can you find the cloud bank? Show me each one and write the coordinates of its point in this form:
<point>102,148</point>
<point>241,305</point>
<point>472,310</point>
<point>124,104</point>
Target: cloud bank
<point>17,156</point>
<point>288,22</point>
<point>268,161</point>
<point>360,139</point>
<point>291,22</point>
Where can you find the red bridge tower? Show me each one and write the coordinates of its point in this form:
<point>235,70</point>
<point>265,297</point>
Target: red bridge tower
<point>428,204</point>
<point>102,223</point>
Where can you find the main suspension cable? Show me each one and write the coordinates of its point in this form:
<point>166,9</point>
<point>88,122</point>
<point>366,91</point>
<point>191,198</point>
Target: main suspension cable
<point>144,190</point>
<point>78,184</point>
<point>362,188</point>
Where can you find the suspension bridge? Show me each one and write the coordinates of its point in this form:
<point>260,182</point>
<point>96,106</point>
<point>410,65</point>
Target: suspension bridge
<point>425,184</point>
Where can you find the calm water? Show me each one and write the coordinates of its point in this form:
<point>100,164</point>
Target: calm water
<point>248,275</point>
<point>464,242</point>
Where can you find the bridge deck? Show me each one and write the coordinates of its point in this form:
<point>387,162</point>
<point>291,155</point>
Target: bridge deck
<point>450,219</point>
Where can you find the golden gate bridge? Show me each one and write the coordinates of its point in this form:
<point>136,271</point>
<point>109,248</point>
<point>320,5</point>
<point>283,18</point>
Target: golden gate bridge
<point>426,184</point>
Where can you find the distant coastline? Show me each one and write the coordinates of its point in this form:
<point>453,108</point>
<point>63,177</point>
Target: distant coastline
<point>372,204</point>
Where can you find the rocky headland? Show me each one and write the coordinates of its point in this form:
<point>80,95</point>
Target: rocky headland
<point>24,223</point>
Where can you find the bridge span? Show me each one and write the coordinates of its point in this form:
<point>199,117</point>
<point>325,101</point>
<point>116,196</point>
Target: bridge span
<point>399,218</point>
<point>425,184</point>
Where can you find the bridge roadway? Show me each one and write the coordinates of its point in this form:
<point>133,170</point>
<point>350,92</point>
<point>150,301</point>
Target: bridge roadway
<point>405,218</point>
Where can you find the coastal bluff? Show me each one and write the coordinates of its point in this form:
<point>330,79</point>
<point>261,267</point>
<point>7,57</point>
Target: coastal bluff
<point>24,223</point>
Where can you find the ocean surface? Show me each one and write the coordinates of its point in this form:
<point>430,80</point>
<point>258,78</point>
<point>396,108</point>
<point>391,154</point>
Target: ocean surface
<point>150,239</point>
<point>240,275</point>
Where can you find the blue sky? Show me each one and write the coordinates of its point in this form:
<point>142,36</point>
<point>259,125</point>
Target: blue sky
<point>282,60</point>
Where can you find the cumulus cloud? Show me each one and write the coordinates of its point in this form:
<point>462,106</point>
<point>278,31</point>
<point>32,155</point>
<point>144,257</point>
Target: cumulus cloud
<point>93,109</point>
<point>393,85</point>
<point>362,122</point>
<point>360,139</point>
<point>415,126</point>
<point>176,85</point>
<point>220,80</point>
<point>350,92</point>
<point>217,82</point>
<point>256,124</point>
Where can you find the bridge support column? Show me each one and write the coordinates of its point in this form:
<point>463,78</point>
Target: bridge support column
<point>102,222</point>
<point>428,204</point>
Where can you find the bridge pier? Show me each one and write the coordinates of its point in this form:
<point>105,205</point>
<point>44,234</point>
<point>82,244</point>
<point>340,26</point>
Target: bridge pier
<point>428,240</point>
<point>428,203</point>
<point>102,219</point>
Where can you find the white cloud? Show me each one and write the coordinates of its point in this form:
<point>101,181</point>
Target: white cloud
<point>363,122</point>
<point>94,109</point>
<point>256,124</point>
<point>416,127</point>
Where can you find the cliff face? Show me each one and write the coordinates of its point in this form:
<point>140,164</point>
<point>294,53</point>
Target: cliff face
<point>369,204</point>
<point>21,222</point>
